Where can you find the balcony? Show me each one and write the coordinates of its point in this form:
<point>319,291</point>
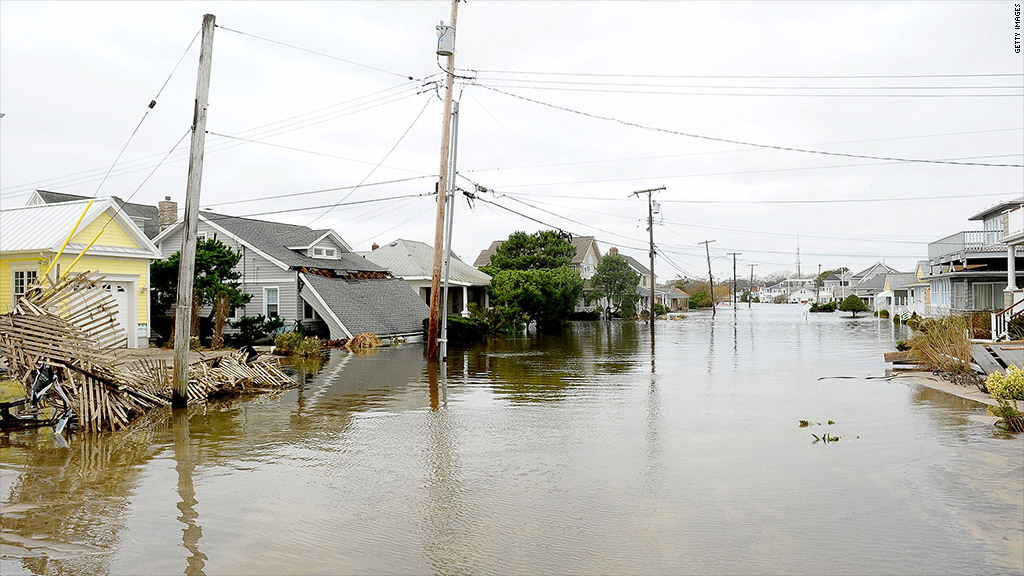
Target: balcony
<point>967,241</point>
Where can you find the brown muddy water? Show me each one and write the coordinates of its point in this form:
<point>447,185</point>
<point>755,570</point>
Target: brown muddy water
<point>580,454</point>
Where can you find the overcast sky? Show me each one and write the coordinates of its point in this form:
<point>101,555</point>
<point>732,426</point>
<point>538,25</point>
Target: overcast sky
<point>566,109</point>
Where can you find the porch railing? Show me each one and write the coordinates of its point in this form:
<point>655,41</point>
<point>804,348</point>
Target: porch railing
<point>1001,320</point>
<point>966,241</point>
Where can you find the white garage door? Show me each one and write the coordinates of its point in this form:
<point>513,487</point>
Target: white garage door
<point>121,292</point>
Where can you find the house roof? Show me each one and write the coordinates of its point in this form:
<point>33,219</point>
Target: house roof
<point>149,214</point>
<point>876,268</point>
<point>900,280</point>
<point>45,227</point>
<point>581,243</point>
<point>382,307</point>
<point>871,285</point>
<point>636,265</point>
<point>274,240</point>
<point>411,260</point>
<point>997,209</point>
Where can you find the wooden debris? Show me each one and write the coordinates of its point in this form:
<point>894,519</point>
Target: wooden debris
<point>72,326</point>
<point>364,340</point>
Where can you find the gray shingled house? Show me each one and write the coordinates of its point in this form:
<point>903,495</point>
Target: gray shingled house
<point>310,276</point>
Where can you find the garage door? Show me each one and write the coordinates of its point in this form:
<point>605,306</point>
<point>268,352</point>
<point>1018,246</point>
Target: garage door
<point>120,292</point>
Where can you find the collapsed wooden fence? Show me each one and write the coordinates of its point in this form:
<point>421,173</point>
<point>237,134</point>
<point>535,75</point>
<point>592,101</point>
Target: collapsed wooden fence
<point>72,325</point>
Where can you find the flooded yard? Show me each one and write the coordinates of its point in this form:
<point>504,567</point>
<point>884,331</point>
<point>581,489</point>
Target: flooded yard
<point>591,452</point>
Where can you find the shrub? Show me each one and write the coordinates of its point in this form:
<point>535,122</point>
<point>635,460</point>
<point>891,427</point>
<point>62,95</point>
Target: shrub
<point>854,304</point>
<point>255,329</point>
<point>902,345</point>
<point>1010,418</point>
<point>1009,386</point>
<point>825,307</point>
<point>296,344</point>
<point>943,345</point>
<point>466,329</point>
<point>1016,328</point>
<point>883,313</point>
<point>914,321</point>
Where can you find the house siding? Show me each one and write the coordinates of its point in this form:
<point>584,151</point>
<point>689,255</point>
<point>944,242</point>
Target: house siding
<point>110,234</point>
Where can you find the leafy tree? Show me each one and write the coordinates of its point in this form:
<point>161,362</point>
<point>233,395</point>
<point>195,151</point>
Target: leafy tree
<point>616,281</point>
<point>853,304</point>
<point>537,251</point>
<point>531,280</point>
<point>701,299</point>
<point>837,271</point>
<point>214,273</point>
<point>547,296</point>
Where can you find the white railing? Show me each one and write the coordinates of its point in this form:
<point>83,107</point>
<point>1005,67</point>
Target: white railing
<point>1001,319</point>
<point>966,241</point>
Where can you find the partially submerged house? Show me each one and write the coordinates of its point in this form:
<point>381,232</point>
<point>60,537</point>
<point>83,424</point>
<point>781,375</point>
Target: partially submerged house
<point>413,262</point>
<point>973,270</point>
<point>310,277</point>
<point>32,236</point>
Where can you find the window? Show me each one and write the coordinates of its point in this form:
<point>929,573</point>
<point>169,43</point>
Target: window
<point>200,236</point>
<point>324,252</point>
<point>271,305</point>
<point>22,280</point>
<point>308,313</point>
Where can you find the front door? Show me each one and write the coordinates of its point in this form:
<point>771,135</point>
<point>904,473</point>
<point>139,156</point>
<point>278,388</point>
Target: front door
<point>121,292</point>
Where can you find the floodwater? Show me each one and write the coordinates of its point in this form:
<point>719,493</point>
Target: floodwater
<point>580,454</point>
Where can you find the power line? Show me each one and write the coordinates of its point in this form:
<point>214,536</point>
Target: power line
<point>319,191</point>
<point>152,104</point>
<point>743,87</point>
<point>306,208</point>
<point>382,160</point>
<point>301,49</point>
<point>752,94</point>
<point>743,143</point>
<point>636,158</point>
<point>744,77</point>
<point>313,152</point>
<point>832,201</point>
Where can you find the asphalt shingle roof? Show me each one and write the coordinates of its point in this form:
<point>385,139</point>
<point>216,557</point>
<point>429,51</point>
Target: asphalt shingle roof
<point>274,239</point>
<point>411,259</point>
<point>383,307</point>
<point>581,243</point>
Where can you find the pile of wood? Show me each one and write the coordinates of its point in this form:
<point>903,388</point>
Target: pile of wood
<point>72,326</point>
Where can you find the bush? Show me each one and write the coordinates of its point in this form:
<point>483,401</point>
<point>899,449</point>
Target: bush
<point>466,329</point>
<point>1009,386</point>
<point>585,315</point>
<point>943,345</point>
<point>824,307</point>
<point>902,345</point>
<point>1010,418</point>
<point>1016,328</point>
<point>255,329</point>
<point>297,344</point>
<point>914,321</point>
<point>854,304</point>
<point>883,313</point>
<point>660,309</point>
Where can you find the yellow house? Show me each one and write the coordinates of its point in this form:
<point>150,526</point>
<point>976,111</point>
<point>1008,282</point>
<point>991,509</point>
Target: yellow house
<point>31,237</point>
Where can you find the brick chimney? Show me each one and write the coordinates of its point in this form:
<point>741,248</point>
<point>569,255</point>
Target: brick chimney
<point>168,211</point>
<point>374,246</point>
<point>613,250</point>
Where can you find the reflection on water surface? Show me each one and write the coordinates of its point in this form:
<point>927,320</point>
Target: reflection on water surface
<point>574,454</point>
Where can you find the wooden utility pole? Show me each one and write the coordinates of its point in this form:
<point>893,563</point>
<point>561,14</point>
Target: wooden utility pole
<point>711,279</point>
<point>750,293</point>
<point>735,298</point>
<point>442,189</point>
<point>650,229</point>
<point>817,287</point>
<point>187,263</point>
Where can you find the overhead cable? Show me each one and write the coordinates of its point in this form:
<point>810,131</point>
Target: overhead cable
<point>743,143</point>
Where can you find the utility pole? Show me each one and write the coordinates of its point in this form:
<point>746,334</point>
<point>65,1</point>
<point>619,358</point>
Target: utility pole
<point>817,287</point>
<point>711,279</point>
<point>448,232</point>
<point>187,263</point>
<point>750,293</point>
<point>650,229</point>
<point>735,298</point>
<point>442,187</point>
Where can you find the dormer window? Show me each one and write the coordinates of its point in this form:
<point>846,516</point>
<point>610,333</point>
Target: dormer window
<point>324,252</point>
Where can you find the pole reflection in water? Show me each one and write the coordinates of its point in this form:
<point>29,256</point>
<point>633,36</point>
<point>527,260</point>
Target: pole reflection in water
<point>192,532</point>
<point>445,513</point>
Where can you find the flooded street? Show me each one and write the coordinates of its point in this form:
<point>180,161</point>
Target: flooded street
<point>578,454</point>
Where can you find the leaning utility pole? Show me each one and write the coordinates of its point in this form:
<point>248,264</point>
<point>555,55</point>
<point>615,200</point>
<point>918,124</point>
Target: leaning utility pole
<point>735,300</point>
<point>442,185</point>
<point>750,293</point>
<point>187,263</point>
<point>711,279</point>
<point>650,229</point>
